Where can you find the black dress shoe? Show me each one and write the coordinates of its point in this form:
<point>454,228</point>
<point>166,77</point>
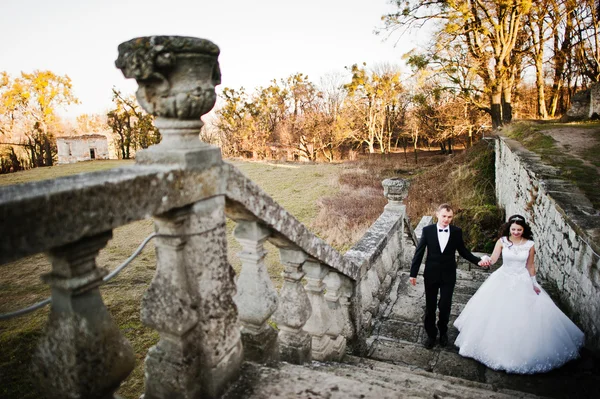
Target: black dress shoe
<point>443,340</point>
<point>429,342</point>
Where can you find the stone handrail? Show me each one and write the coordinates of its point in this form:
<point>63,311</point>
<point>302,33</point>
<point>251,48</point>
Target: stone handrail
<point>47,214</point>
<point>188,205</point>
<point>247,201</point>
<point>315,321</point>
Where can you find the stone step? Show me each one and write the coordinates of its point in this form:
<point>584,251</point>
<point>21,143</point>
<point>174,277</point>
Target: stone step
<point>409,301</point>
<point>579,378</point>
<point>396,374</point>
<point>357,378</point>
<point>398,330</point>
<point>397,339</point>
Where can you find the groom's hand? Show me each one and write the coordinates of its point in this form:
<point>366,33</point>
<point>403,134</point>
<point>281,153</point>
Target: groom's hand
<point>413,280</point>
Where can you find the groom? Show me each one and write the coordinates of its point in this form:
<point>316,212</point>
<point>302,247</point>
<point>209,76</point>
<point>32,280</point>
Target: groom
<point>441,241</point>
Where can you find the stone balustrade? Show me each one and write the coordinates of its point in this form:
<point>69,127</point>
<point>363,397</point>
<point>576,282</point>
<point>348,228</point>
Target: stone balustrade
<point>385,249</point>
<point>208,323</point>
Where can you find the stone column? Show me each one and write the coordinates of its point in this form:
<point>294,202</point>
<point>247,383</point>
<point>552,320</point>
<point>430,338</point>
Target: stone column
<point>189,302</point>
<point>319,322</point>
<point>294,309</point>
<point>333,284</point>
<point>395,190</point>
<point>346,293</point>
<point>82,354</point>
<point>190,299</point>
<point>256,297</point>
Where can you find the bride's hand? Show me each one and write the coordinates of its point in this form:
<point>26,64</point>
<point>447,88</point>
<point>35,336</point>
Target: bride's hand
<point>537,290</point>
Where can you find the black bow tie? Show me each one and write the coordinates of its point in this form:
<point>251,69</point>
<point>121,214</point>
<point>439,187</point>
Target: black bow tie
<point>444,230</point>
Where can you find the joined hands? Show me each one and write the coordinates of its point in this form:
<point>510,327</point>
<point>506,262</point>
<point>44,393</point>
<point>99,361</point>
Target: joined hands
<point>485,262</point>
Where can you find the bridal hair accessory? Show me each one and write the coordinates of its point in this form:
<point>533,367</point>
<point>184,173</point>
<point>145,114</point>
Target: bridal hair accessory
<point>516,218</point>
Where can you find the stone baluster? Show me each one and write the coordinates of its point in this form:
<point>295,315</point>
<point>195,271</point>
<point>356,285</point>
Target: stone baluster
<point>319,322</point>
<point>294,309</point>
<point>347,291</point>
<point>82,354</point>
<point>256,297</point>
<point>190,299</point>
<point>189,302</point>
<point>333,284</point>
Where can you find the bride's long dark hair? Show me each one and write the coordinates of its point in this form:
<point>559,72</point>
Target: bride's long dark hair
<point>516,219</point>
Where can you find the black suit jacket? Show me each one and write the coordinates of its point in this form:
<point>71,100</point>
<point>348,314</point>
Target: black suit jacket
<point>440,266</point>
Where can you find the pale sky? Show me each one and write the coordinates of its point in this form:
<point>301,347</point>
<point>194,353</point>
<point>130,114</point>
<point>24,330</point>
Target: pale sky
<point>260,40</point>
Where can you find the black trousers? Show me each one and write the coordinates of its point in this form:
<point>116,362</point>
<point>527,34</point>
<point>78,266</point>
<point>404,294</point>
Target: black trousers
<point>445,291</point>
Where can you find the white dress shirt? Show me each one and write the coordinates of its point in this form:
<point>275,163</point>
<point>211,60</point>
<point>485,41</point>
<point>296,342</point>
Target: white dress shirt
<point>443,236</point>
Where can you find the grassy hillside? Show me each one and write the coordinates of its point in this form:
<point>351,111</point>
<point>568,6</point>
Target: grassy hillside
<point>467,182</point>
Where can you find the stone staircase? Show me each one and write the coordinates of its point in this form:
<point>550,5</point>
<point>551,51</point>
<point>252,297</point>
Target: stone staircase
<point>398,366</point>
<point>399,332</point>
<point>358,378</point>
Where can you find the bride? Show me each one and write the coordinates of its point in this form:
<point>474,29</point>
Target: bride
<point>511,323</point>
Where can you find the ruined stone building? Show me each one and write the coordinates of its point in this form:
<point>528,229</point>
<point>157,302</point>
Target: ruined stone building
<point>86,147</point>
<point>585,104</point>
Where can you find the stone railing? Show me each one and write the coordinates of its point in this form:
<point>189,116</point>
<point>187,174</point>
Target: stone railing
<point>381,253</point>
<point>207,325</point>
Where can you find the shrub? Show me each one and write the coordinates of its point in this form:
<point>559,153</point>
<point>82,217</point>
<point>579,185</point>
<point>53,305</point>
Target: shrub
<point>467,181</point>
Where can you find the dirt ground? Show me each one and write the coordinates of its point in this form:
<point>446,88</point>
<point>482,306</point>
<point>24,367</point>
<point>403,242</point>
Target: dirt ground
<point>575,141</point>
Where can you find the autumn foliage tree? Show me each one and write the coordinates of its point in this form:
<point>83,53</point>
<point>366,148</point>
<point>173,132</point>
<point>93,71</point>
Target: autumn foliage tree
<point>491,32</point>
<point>501,40</point>
<point>132,128</point>
<point>28,113</point>
<point>377,97</point>
<point>290,114</point>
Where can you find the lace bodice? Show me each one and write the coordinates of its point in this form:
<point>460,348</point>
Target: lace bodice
<point>514,257</point>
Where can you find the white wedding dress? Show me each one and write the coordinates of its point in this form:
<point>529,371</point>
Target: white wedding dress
<point>507,326</point>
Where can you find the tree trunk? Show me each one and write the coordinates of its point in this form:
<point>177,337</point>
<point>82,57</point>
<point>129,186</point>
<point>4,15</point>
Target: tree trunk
<point>48,152</point>
<point>496,106</point>
<point>541,93</point>
<point>560,55</point>
<point>470,141</point>
<point>371,147</point>
<point>507,102</point>
<point>415,148</point>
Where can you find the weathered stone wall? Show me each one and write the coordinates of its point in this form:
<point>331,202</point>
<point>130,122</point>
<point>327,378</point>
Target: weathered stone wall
<point>566,231</point>
<point>580,106</point>
<point>595,101</point>
<point>380,254</point>
<point>585,104</point>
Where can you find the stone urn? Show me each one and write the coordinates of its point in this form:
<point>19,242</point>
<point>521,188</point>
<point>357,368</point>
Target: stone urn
<point>177,76</point>
<point>395,190</point>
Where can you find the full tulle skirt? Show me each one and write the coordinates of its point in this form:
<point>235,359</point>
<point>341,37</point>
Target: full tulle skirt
<point>507,326</point>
